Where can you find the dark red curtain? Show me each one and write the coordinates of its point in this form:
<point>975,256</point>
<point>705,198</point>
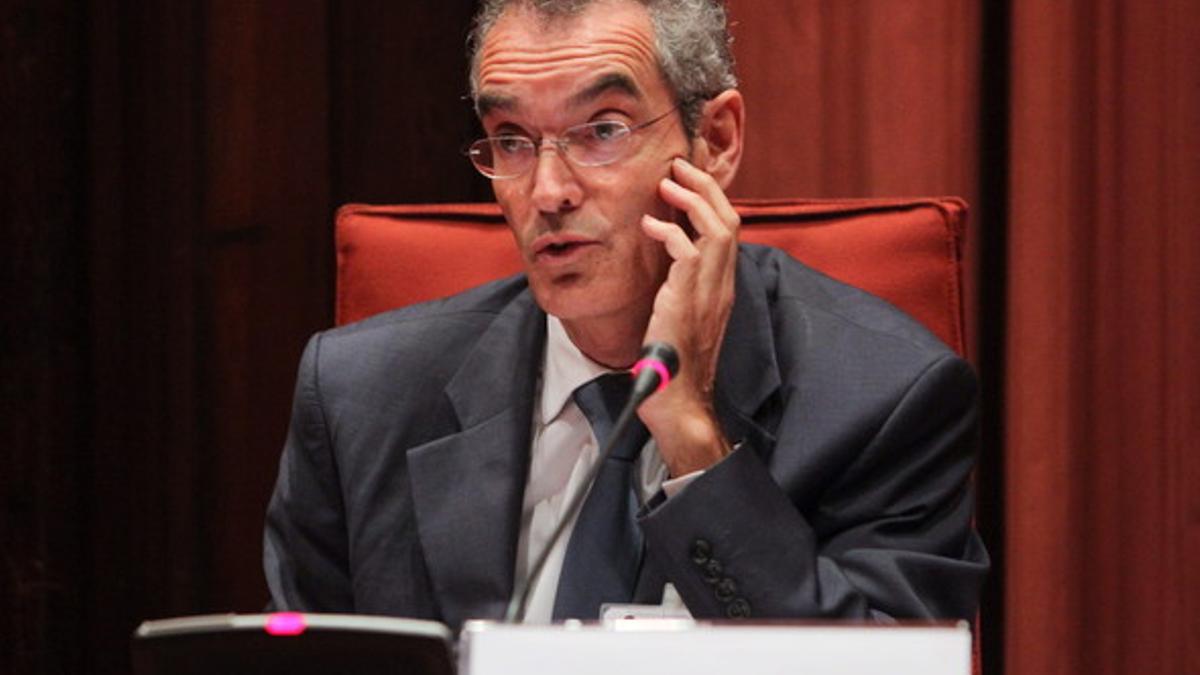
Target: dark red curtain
<point>1102,393</point>
<point>1100,524</point>
<point>861,99</point>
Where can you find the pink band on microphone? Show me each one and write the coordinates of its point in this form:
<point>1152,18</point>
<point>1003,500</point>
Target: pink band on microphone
<point>664,375</point>
<point>285,623</point>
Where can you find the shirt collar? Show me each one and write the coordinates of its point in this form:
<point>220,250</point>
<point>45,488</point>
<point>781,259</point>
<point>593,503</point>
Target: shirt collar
<point>564,370</point>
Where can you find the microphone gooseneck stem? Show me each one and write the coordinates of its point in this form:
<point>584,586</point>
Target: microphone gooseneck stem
<point>520,598</point>
<point>658,364</point>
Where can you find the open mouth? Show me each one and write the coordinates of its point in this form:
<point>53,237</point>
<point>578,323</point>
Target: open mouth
<point>562,248</point>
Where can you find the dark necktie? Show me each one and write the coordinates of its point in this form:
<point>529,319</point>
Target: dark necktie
<point>605,550</point>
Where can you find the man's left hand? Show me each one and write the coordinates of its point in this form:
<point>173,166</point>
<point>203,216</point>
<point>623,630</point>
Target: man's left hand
<point>690,312</point>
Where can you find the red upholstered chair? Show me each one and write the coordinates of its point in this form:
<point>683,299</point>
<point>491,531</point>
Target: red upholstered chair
<point>908,251</point>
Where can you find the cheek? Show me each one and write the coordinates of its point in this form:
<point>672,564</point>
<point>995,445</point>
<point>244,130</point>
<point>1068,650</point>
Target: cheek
<point>645,261</point>
<point>514,213</point>
<point>506,197</point>
<point>625,197</point>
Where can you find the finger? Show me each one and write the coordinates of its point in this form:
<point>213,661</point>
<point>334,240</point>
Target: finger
<point>678,245</point>
<point>707,276</point>
<point>717,243</point>
<point>701,182</point>
<point>703,217</point>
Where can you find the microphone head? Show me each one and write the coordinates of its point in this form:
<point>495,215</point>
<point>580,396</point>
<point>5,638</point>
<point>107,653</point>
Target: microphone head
<point>662,353</point>
<point>654,370</point>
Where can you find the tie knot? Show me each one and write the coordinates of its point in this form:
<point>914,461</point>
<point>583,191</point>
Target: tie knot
<point>601,401</point>
<point>610,390</point>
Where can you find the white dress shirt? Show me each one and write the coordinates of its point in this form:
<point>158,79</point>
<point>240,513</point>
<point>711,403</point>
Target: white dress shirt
<point>564,448</point>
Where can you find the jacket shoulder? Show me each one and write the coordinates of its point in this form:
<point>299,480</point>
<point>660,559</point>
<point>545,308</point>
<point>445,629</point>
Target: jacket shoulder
<point>424,342</point>
<point>435,323</point>
<point>794,289</point>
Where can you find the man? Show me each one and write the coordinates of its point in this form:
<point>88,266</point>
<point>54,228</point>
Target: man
<point>811,459</point>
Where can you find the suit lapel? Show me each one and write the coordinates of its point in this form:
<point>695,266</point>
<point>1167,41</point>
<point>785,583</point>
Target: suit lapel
<point>747,371</point>
<point>468,486</point>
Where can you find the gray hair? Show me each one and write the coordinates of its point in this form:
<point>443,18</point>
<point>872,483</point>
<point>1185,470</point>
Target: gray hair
<point>691,41</point>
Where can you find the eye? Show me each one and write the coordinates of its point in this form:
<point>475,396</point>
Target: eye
<point>599,133</point>
<point>511,145</point>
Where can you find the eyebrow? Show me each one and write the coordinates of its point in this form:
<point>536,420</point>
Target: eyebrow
<point>488,102</point>
<point>604,84</point>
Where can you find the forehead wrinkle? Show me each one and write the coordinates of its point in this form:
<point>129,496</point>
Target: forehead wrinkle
<point>515,49</point>
<point>501,68</point>
<point>530,43</point>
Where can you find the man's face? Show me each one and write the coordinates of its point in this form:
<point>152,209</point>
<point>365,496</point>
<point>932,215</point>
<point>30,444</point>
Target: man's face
<point>578,228</point>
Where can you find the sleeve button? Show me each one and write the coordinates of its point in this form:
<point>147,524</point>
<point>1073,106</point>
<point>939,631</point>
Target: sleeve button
<point>712,571</point>
<point>726,589</point>
<point>738,609</point>
<point>701,551</point>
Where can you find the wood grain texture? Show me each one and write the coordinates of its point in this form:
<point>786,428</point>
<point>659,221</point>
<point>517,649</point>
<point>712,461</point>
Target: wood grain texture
<point>401,119</point>
<point>43,334</point>
<point>266,261</point>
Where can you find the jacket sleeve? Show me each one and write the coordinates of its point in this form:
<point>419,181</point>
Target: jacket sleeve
<point>305,543</point>
<point>890,535</point>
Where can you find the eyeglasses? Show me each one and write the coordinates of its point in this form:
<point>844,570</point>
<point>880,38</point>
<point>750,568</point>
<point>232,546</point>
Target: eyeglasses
<point>592,144</point>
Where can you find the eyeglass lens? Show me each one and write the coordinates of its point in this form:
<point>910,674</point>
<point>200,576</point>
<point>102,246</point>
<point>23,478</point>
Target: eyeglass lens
<point>592,144</point>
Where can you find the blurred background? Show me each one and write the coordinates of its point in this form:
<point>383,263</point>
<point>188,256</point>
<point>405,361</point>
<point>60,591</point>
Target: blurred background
<point>170,171</point>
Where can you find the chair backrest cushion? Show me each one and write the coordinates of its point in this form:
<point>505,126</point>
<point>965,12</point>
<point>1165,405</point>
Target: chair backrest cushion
<point>907,251</point>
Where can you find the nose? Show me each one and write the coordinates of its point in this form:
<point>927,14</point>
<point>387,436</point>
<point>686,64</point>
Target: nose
<point>555,187</point>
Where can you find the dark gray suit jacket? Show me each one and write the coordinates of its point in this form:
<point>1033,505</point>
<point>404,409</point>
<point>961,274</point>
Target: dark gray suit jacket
<point>400,486</point>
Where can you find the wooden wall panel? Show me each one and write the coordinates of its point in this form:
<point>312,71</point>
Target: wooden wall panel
<point>266,262</point>
<point>210,263</point>
<point>145,558</point>
<point>43,334</point>
<point>400,115</point>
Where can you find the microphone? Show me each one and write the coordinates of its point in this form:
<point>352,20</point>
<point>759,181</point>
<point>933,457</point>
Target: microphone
<point>653,371</point>
<point>659,362</point>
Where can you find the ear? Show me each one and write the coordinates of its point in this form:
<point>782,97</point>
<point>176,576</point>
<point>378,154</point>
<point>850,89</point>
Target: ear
<point>720,135</point>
